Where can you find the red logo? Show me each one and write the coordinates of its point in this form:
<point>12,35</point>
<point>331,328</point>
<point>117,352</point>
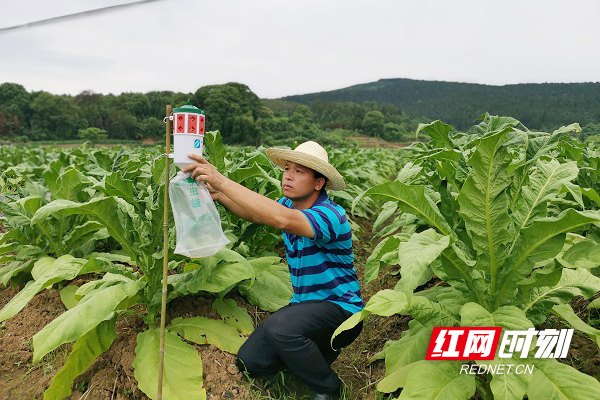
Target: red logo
<point>463,343</point>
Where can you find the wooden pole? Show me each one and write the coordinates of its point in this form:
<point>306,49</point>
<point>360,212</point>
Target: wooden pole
<point>163,308</point>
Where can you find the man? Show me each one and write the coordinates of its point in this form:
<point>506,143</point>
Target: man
<point>318,242</point>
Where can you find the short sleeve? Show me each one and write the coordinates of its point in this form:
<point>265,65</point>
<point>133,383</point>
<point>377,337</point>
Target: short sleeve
<point>325,222</point>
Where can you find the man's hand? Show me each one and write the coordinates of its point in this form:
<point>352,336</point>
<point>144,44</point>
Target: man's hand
<point>203,171</point>
<point>215,194</point>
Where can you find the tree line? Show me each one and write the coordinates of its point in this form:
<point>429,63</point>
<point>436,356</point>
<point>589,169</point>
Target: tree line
<point>241,116</point>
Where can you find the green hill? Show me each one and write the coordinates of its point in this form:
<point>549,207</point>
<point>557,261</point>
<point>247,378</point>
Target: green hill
<point>538,106</point>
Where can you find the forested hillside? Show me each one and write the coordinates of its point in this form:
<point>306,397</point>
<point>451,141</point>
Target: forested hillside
<point>538,106</point>
<point>389,109</point>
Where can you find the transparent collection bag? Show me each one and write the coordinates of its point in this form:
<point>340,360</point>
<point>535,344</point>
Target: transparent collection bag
<point>197,221</point>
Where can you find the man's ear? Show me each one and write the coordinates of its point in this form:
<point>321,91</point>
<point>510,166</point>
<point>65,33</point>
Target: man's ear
<point>320,183</point>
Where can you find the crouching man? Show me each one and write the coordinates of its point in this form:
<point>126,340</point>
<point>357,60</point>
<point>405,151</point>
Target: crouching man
<point>318,242</point>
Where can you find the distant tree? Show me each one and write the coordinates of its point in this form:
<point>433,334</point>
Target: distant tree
<point>394,132</point>
<point>14,109</point>
<point>302,117</point>
<point>92,135</point>
<point>373,123</point>
<point>55,117</point>
<point>233,109</point>
<point>152,127</point>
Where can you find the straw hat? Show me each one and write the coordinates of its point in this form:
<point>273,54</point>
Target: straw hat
<point>311,155</point>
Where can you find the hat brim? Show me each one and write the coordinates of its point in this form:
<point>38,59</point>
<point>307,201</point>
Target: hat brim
<point>335,181</point>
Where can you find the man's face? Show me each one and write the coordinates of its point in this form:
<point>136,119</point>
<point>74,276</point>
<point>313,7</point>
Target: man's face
<point>299,181</point>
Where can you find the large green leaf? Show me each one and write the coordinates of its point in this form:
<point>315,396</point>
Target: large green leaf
<point>230,268</point>
<point>43,266</point>
<point>412,347</point>
<point>412,200</point>
<point>585,254</point>
<point>182,367</point>
<point>572,283</point>
<point>13,269</point>
<point>565,311</point>
<point>386,302</point>
<point>80,233</point>
<point>79,320</point>
<point>374,261</point>
<point>388,209</point>
<point>103,209</point>
<point>438,380</point>
<point>271,290</point>
<point>449,297</point>
<point>69,184</point>
<point>415,255</point>
<point>484,203</point>
<point>241,174</point>
<point>508,386</point>
<point>84,353</point>
<point>545,182</point>
<point>397,378</point>
<point>542,240</point>
<point>431,313</point>
<point>554,380</point>
<point>234,315</point>
<point>67,296</point>
<point>439,133</point>
<point>113,184</point>
<point>263,263</point>
<point>507,317</point>
<point>202,330</point>
<point>216,150</point>
<point>63,268</point>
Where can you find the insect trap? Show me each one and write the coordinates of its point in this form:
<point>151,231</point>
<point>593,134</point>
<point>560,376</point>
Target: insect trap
<point>188,133</point>
<point>197,221</point>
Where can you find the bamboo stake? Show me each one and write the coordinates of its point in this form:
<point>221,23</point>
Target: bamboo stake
<point>163,308</point>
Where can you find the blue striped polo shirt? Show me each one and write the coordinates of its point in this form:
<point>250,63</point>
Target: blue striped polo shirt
<point>323,268</point>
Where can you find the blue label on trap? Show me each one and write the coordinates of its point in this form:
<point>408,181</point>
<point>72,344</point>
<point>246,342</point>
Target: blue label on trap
<point>197,143</point>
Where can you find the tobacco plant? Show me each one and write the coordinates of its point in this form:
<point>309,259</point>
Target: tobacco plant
<point>496,214</point>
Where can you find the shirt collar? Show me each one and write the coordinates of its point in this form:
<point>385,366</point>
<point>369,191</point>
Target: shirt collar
<point>320,200</point>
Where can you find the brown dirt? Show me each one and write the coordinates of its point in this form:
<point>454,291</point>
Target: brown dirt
<point>19,379</point>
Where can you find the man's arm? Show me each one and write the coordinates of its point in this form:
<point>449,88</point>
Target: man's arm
<point>232,206</point>
<point>248,204</point>
<point>260,209</point>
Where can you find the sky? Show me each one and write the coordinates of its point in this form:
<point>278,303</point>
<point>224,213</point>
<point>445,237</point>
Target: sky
<point>281,47</point>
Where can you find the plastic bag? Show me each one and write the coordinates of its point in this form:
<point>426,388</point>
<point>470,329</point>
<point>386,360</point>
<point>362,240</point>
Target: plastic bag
<point>197,221</point>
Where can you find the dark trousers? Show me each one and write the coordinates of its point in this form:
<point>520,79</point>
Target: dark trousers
<point>298,336</point>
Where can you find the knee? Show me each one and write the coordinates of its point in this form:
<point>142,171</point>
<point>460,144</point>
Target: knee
<point>253,364</point>
<point>276,332</point>
<point>246,361</point>
<point>345,338</point>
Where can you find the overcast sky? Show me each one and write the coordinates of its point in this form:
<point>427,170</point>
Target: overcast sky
<point>280,47</point>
